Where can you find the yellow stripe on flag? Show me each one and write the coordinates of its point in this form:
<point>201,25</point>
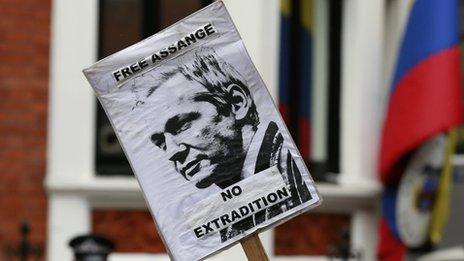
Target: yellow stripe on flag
<point>440,211</point>
<point>307,14</point>
<point>285,7</point>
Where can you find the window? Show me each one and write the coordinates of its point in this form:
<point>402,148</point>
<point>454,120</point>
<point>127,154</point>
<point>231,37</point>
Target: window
<point>121,24</point>
<point>309,100</point>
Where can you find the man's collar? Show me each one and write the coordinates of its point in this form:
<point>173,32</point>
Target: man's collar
<point>253,151</point>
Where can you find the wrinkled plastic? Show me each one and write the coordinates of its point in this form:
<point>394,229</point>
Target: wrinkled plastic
<point>200,130</point>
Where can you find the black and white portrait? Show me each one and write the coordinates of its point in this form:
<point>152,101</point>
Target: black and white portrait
<point>213,158</point>
<point>208,123</point>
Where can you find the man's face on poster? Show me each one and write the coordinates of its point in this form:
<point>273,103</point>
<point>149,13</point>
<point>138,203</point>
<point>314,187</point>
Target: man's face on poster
<point>204,145</point>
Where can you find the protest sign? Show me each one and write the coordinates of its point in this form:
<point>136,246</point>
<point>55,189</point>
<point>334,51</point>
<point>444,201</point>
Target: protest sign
<point>210,151</point>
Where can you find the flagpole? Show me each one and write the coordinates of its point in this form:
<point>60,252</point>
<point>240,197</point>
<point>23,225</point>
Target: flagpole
<point>441,207</point>
<point>253,248</point>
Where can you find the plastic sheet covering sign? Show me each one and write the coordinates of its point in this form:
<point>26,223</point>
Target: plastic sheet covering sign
<point>210,151</point>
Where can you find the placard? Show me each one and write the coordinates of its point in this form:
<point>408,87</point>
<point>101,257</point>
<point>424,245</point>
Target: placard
<point>210,151</point>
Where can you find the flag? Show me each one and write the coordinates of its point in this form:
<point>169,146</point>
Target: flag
<point>295,70</point>
<point>284,60</point>
<point>424,100</point>
<point>305,60</point>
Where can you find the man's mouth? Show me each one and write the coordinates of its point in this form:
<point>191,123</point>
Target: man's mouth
<point>192,168</point>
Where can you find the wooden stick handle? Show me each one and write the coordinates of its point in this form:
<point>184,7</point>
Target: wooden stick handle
<point>254,249</point>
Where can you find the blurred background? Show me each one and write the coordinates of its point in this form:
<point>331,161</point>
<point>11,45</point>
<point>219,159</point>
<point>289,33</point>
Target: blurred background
<point>365,88</point>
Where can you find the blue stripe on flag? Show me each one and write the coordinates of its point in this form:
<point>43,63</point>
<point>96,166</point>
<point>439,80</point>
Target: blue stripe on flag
<point>429,30</point>
<point>305,73</point>
<point>284,65</point>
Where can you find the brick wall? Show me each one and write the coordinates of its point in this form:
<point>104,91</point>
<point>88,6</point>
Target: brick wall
<point>307,234</point>
<point>310,234</point>
<point>130,230</point>
<point>24,60</point>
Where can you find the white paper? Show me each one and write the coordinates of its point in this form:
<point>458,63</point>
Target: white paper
<point>195,121</point>
<point>237,202</point>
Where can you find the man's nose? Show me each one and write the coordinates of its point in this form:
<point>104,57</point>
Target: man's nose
<point>176,152</point>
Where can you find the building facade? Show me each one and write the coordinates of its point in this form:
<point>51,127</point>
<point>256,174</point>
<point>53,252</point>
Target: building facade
<point>49,122</point>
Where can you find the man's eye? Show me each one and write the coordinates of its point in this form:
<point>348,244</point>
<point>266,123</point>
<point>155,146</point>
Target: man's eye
<point>161,145</point>
<point>180,123</point>
<point>159,141</point>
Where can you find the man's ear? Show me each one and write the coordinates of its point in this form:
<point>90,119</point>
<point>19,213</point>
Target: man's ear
<point>241,102</point>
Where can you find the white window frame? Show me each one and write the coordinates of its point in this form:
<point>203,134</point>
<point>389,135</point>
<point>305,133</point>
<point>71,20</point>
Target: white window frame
<point>74,189</point>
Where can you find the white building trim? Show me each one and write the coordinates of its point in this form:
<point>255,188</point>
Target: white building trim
<point>361,110</point>
<point>71,125</point>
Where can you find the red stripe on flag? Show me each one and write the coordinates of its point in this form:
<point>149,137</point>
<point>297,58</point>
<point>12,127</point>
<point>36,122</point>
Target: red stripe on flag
<point>426,101</point>
<point>390,248</point>
<point>284,112</point>
<point>304,139</point>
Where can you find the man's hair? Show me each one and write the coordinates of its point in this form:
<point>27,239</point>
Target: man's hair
<point>215,75</point>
